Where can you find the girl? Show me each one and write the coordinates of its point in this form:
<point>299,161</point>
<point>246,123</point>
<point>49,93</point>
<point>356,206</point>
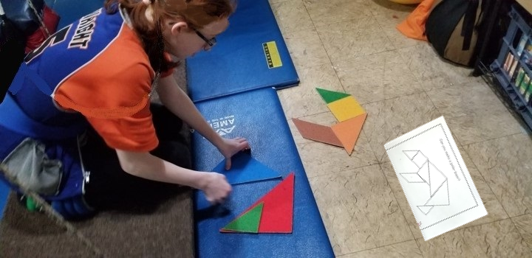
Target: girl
<point>77,125</point>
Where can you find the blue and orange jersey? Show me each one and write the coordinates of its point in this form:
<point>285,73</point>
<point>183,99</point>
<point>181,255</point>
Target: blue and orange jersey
<point>98,67</point>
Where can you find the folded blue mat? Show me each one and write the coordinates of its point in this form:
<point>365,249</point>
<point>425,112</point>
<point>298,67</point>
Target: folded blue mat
<point>239,62</point>
<point>258,116</point>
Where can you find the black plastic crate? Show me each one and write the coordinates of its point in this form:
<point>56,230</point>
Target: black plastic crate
<point>513,67</point>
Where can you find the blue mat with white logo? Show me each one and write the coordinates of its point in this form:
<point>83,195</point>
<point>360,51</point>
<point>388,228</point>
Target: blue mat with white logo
<point>251,54</point>
<point>258,116</point>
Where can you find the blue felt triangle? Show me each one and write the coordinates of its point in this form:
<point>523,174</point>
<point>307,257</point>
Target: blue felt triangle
<point>245,169</point>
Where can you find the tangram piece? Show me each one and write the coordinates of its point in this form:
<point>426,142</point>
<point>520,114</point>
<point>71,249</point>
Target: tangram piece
<point>349,130</point>
<point>346,108</point>
<point>277,215</point>
<point>245,169</point>
<point>317,132</point>
<point>247,222</point>
<point>331,96</point>
<point>278,210</point>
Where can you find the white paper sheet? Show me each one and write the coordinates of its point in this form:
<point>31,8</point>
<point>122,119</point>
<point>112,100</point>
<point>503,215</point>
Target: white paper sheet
<point>435,179</point>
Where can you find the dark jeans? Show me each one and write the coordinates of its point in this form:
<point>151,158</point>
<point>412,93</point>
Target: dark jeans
<point>112,188</point>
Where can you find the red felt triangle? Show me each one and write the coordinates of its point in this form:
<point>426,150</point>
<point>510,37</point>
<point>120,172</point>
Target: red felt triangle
<point>278,208</point>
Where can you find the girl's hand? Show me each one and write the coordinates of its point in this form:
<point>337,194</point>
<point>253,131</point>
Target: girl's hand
<point>229,147</point>
<point>215,187</point>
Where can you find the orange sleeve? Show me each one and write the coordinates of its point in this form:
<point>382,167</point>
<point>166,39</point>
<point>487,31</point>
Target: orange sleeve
<point>112,92</point>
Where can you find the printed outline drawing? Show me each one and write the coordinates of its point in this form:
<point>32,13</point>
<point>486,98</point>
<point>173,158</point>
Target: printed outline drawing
<point>429,174</point>
<point>439,127</point>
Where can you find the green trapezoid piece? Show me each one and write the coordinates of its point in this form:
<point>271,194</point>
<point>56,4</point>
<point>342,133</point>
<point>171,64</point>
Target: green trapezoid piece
<point>248,222</point>
<point>331,96</point>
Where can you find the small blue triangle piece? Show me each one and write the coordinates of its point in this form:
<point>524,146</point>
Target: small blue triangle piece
<point>245,169</point>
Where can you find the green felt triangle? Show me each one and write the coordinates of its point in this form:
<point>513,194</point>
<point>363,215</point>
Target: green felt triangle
<point>330,96</point>
<point>248,222</point>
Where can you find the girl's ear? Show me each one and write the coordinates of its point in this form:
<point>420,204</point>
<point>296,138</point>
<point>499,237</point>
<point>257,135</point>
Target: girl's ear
<point>178,27</point>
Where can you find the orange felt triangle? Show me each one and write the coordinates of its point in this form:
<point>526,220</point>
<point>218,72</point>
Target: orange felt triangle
<point>317,132</point>
<point>349,130</point>
<point>278,208</point>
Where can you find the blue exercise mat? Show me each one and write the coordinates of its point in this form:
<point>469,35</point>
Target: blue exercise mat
<point>258,116</point>
<point>71,10</point>
<point>240,61</point>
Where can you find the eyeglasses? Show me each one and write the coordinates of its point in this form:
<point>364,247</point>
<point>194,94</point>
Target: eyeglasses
<point>210,42</point>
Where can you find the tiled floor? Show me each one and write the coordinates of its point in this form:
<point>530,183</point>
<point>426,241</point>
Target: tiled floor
<point>352,46</point>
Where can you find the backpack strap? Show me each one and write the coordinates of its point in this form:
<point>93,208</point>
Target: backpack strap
<point>468,27</point>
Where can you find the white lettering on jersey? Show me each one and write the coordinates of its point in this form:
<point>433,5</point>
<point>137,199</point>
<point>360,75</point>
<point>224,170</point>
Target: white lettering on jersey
<point>84,31</point>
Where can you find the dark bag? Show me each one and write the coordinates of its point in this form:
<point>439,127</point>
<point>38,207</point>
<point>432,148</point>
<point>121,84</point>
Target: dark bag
<point>452,29</point>
<point>11,55</point>
<point>8,31</point>
<point>24,25</point>
<point>25,15</point>
<point>11,51</point>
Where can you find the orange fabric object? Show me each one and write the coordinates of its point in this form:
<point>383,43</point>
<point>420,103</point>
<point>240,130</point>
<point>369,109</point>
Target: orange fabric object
<point>414,25</point>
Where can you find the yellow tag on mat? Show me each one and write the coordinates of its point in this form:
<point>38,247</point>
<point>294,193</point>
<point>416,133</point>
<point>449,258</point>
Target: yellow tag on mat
<point>273,59</point>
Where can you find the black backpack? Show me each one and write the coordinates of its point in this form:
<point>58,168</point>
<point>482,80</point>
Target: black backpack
<point>452,29</point>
